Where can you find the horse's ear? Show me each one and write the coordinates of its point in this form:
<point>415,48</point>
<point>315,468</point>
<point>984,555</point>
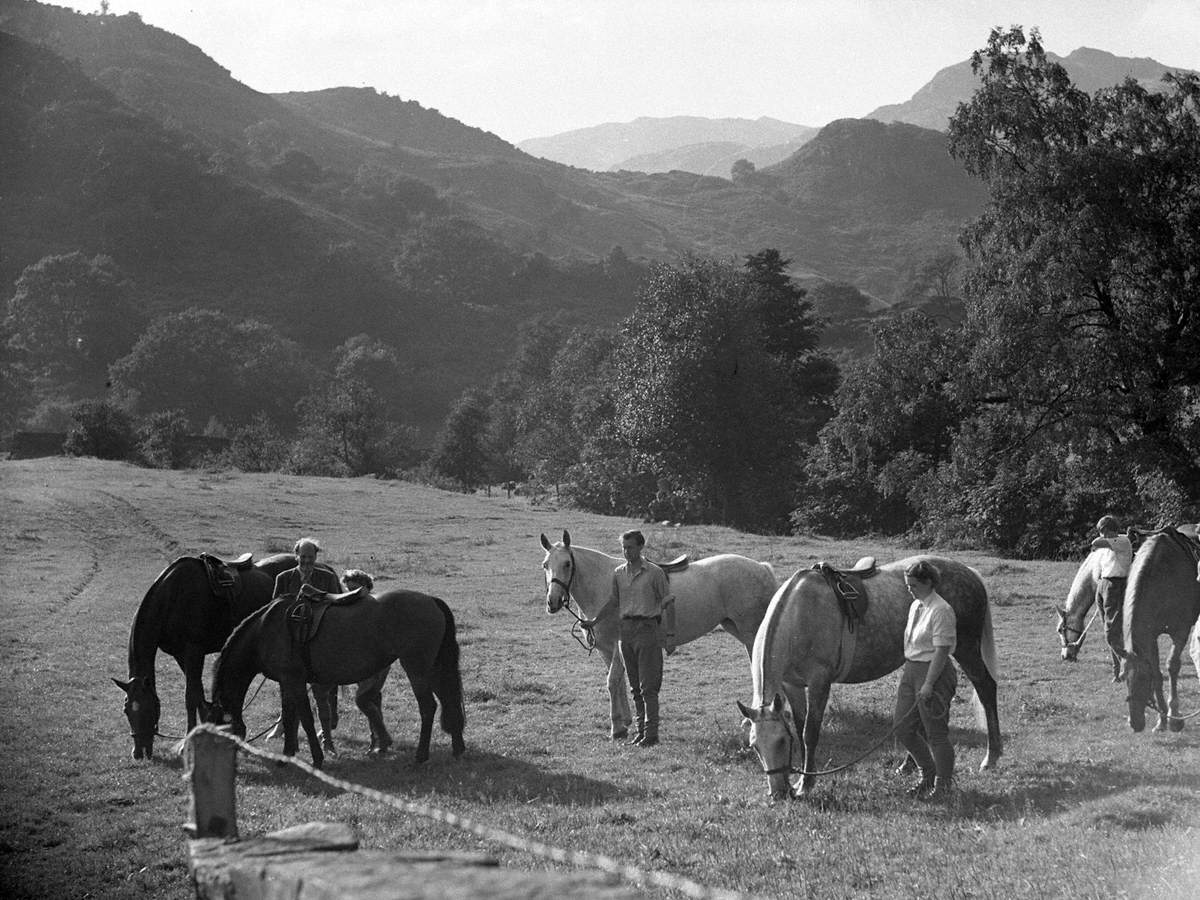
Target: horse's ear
<point>123,685</point>
<point>566,538</point>
<point>1061,610</point>
<point>745,710</point>
<point>545,541</point>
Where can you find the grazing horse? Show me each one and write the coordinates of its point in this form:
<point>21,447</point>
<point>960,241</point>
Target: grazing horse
<point>727,590</point>
<point>1161,597</point>
<point>1085,590</point>
<point>805,644</point>
<point>181,615</point>
<point>352,643</point>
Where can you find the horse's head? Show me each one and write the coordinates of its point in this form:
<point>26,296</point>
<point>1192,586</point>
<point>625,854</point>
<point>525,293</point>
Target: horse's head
<point>773,737</point>
<point>1070,636</point>
<point>142,710</point>
<point>1139,680</point>
<point>559,566</point>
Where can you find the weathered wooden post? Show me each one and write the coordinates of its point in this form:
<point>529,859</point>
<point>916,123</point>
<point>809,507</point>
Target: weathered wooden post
<point>210,765</point>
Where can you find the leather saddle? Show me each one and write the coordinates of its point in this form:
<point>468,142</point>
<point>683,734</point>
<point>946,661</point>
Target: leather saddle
<point>678,564</point>
<point>848,588</point>
<point>223,574</point>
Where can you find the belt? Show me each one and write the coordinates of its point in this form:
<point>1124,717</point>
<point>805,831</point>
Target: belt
<point>1113,577</point>
<point>642,618</point>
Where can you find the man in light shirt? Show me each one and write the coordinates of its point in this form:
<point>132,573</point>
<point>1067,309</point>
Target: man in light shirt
<point>1116,556</point>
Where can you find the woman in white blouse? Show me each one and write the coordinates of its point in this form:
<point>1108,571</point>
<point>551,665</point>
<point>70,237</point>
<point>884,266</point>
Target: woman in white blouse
<point>927,683</point>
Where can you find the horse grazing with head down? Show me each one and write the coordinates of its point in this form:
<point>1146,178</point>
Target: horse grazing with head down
<point>1083,595</point>
<point>726,591</point>
<point>1161,597</point>
<point>182,615</point>
<point>806,644</point>
<point>352,643</point>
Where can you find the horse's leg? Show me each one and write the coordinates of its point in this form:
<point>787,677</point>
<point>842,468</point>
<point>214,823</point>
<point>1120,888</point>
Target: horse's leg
<point>301,708</point>
<point>970,660</point>
<point>618,694</point>
<point>288,722</point>
<point>427,704</point>
<point>192,664</point>
<point>1170,713</point>
<point>817,696</point>
<point>325,695</point>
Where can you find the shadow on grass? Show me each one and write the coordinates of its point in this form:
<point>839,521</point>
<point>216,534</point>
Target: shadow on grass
<point>478,776</point>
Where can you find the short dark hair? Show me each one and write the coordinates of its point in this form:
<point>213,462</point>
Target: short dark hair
<point>1107,522</point>
<point>636,535</point>
<point>924,570</point>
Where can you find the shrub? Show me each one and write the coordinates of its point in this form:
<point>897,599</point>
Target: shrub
<point>162,440</point>
<point>100,429</point>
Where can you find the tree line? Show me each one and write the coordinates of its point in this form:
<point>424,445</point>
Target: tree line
<point>1061,385</point>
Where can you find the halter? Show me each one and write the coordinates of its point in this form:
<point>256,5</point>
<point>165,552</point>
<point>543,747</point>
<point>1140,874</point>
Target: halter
<point>789,769</point>
<point>588,641</point>
<point>1063,627</point>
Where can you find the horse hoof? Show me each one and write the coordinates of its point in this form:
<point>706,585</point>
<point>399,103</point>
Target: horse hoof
<point>619,735</point>
<point>1175,725</point>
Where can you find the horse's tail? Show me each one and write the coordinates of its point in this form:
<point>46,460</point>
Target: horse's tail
<point>448,676</point>
<point>987,644</point>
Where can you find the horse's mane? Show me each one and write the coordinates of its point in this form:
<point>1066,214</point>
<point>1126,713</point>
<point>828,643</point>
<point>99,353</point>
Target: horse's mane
<point>766,636</point>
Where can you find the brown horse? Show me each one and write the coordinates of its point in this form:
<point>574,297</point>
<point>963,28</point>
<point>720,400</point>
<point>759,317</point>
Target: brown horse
<point>1161,597</point>
<point>804,646</point>
<point>181,615</point>
<point>353,643</point>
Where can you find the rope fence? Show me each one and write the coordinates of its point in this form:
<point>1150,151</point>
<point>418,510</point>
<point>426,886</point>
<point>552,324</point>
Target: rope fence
<point>578,858</point>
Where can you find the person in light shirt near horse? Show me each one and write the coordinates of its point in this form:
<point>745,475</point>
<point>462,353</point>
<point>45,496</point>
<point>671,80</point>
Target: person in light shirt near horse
<point>927,682</point>
<point>642,594</point>
<point>1115,559</point>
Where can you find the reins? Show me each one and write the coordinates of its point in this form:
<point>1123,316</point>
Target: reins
<point>1078,642</point>
<point>587,626</point>
<point>792,770</point>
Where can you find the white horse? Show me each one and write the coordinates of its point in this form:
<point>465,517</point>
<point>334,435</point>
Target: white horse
<point>1085,589</point>
<point>727,590</point>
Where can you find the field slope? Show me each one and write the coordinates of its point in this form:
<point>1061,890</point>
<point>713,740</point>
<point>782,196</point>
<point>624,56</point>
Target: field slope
<point>1080,806</point>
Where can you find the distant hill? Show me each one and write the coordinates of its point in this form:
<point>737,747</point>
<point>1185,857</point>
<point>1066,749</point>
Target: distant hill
<point>611,146</point>
<point>934,104</point>
<point>714,158</point>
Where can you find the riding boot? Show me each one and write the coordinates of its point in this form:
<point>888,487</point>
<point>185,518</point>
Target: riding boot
<point>651,737</point>
<point>639,721</point>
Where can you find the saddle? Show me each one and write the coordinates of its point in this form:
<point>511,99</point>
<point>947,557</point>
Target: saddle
<point>678,564</point>
<point>223,578</point>
<point>847,587</point>
<point>304,618</point>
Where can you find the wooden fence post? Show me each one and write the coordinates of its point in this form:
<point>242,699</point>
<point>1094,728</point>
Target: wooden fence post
<point>210,764</point>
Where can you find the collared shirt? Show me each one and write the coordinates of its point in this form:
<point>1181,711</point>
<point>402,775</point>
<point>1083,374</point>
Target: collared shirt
<point>1116,558</point>
<point>288,582</point>
<point>931,624</point>
<point>640,592</point>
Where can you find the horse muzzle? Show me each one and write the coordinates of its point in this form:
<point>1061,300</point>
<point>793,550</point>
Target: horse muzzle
<point>1070,654</point>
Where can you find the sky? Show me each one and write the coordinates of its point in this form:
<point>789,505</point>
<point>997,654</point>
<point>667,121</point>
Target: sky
<point>533,68</point>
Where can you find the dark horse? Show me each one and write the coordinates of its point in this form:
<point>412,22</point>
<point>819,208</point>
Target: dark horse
<point>1162,597</point>
<point>352,643</point>
<point>182,616</point>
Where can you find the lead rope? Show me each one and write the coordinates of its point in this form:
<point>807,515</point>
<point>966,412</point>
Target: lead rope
<point>794,771</point>
<point>1078,642</point>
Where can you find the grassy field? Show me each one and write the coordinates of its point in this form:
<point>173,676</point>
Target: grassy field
<point>1079,807</point>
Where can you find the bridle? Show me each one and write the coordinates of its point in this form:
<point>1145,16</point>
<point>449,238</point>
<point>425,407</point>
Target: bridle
<point>586,626</point>
<point>1063,628</point>
<point>789,769</point>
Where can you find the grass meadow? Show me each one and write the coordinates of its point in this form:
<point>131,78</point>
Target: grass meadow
<point>1079,807</point>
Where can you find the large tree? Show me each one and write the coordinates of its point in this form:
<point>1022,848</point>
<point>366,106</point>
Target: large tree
<point>71,316</point>
<point>1082,306</point>
<point>719,381</point>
